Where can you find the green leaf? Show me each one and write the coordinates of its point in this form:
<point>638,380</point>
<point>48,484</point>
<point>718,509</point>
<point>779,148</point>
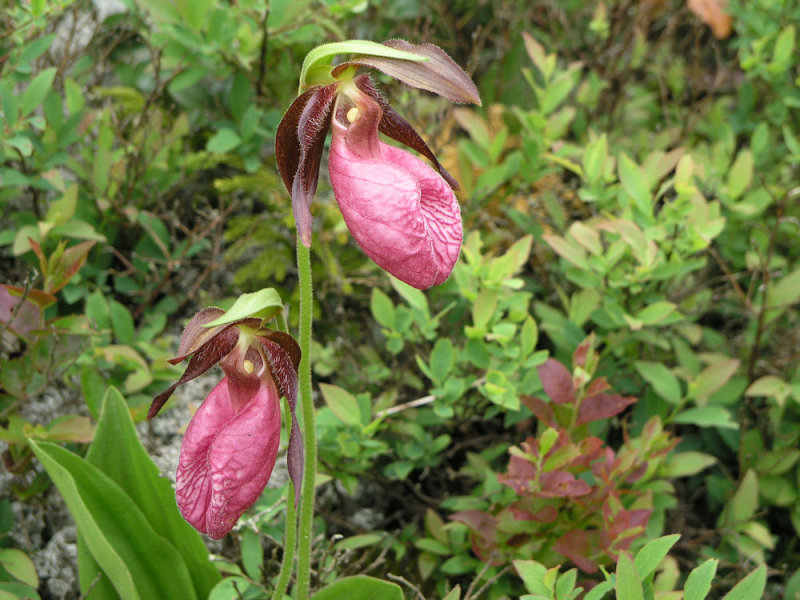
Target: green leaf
<point>223,141</point>
<point>252,553</point>
<point>263,304</point>
<point>483,308</point>
<point>740,174</point>
<point>10,102</point>
<point>742,506</point>
<point>341,403</point>
<point>17,591</point>
<point>572,252</point>
<point>353,542</point>
<point>121,322</point>
<point>36,91</point>
<point>63,209</point>
<point>19,566</point>
<point>412,295</point>
<point>655,313</point>
<point>629,586</point>
<point>634,182</point>
<point>533,574</point>
<point>769,386</point>
<point>652,553</point>
<point>186,79</point>
<point>783,51</point>
<point>683,464</point>
<point>22,143</point>
<point>528,336</point>
<point>442,360</point>
<point>699,581</point>
<point>599,591</point>
<point>382,308</point>
<point>664,383</point>
<point>454,594</point>
<point>74,96</point>
<point>713,377</point>
<point>594,159</point>
<point>360,587</point>
<point>140,563</point>
<point>433,546</point>
<point>751,587</point>
<point>707,416</point>
<point>118,453</point>
<point>782,294</point>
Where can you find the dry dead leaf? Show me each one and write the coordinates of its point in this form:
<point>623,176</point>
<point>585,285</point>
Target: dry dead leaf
<point>714,14</point>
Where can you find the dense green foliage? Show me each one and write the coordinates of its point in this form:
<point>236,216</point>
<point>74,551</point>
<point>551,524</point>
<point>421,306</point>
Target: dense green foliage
<point>630,200</point>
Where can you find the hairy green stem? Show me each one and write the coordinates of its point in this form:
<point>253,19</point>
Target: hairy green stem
<point>309,428</point>
<point>289,546</point>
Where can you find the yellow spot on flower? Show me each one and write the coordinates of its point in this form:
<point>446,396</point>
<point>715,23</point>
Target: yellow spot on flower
<point>248,366</point>
<point>352,114</point>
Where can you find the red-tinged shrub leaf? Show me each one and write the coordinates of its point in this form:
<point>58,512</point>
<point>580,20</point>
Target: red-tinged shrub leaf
<point>439,74</point>
<point>557,381</point>
<point>591,448</point>
<point>64,265</point>
<point>561,484</point>
<point>28,315</point>
<point>597,386</point>
<point>520,473</point>
<point>578,545</point>
<point>37,250</point>
<point>484,534</point>
<point>521,512</point>
<point>602,406</point>
<point>582,352</point>
<point>540,409</point>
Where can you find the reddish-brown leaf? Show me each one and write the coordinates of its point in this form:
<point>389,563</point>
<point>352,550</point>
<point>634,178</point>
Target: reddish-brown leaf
<point>578,545</point>
<point>562,484</point>
<point>64,265</point>
<point>557,381</point>
<point>540,409</point>
<point>602,406</point>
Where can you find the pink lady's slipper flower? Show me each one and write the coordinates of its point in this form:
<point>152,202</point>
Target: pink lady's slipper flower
<point>402,211</point>
<point>231,444</point>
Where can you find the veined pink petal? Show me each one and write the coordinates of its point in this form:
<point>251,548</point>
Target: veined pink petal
<point>401,212</point>
<point>226,458</point>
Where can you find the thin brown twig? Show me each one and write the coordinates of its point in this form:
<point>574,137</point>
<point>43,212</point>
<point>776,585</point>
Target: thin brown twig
<point>407,583</point>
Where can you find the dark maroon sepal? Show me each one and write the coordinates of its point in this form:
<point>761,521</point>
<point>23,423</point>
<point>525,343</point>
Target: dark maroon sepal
<point>298,150</point>
<point>284,374</point>
<point>438,74</point>
<point>396,127</point>
<point>206,356</point>
<point>287,144</point>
